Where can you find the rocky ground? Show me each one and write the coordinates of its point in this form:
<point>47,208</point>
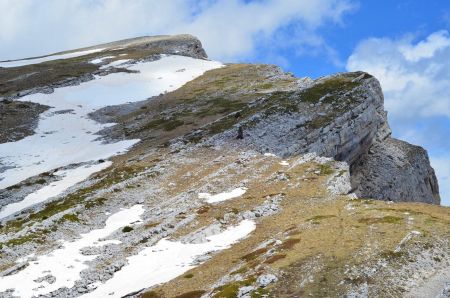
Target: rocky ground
<point>18,119</point>
<point>249,130</point>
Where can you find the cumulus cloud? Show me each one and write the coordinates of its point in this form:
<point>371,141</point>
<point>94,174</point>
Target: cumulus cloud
<point>229,29</point>
<point>415,76</point>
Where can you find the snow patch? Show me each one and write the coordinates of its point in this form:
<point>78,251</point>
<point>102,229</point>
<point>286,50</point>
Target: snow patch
<point>69,177</point>
<point>284,163</point>
<point>270,155</point>
<point>224,196</point>
<point>64,139</point>
<point>66,263</point>
<point>100,60</point>
<point>165,261</point>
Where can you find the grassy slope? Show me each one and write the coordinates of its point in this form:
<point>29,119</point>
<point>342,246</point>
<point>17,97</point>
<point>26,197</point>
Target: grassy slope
<point>322,236</point>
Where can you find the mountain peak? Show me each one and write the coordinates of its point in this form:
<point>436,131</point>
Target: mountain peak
<point>140,168</point>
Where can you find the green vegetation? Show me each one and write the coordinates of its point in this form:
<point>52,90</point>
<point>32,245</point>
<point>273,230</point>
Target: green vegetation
<point>289,243</point>
<point>189,275</point>
<point>150,294</point>
<point>253,255</point>
<point>266,86</point>
<point>274,258</point>
<point>317,218</point>
<point>391,255</point>
<point>385,219</point>
<point>219,105</point>
<point>320,121</point>
<point>241,270</point>
<point>231,290</point>
<point>68,202</point>
<point>71,217</point>
<point>326,169</point>
<point>95,203</point>
<point>329,88</point>
<point>259,293</point>
<point>127,229</point>
<point>192,294</point>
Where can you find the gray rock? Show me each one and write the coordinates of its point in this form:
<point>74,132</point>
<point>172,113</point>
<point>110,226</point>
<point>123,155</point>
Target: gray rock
<point>266,279</point>
<point>344,126</point>
<point>395,170</point>
<point>245,291</point>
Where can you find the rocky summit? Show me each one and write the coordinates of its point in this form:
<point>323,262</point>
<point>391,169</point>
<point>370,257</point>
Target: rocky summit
<point>139,168</point>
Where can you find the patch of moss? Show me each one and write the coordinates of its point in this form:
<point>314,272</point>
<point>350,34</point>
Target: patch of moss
<point>289,243</point>
<point>231,290</point>
<point>166,124</point>
<point>71,217</point>
<point>95,203</point>
<point>203,209</point>
<point>320,121</point>
<point>227,291</point>
<point>241,270</point>
<point>385,219</point>
<point>391,255</point>
<point>37,237</point>
<point>189,275</point>
<point>326,169</point>
<point>328,88</point>
<point>172,124</point>
<point>150,294</point>
<point>219,105</point>
<point>259,293</point>
<point>254,254</point>
<point>318,218</point>
<point>192,294</point>
<point>274,258</point>
<point>71,200</point>
<point>265,86</point>
<point>127,229</point>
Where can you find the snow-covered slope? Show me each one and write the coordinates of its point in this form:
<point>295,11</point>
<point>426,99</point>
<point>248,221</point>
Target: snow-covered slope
<point>66,136</point>
<point>148,170</point>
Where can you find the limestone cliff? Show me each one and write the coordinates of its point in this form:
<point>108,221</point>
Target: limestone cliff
<point>243,182</point>
<point>340,116</point>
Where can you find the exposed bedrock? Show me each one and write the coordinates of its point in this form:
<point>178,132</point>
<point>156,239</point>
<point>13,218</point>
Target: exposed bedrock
<point>395,170</point>
<point>349,124</point>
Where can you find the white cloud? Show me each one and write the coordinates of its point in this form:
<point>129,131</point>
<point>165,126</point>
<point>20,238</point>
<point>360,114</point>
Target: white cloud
<point>229,29</point>
<point>426,48</point>
<point>415,77</point>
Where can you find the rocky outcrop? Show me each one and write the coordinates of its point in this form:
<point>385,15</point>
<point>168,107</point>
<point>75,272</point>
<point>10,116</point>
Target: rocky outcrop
<point>262,108</point>
<point>395,170</point>
<point>208,139</point>
<point>343,117</point>
<point>18,119</point>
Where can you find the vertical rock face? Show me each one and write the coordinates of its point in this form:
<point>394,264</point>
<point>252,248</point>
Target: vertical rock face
<point>395,170</point>
<point>343,117</point>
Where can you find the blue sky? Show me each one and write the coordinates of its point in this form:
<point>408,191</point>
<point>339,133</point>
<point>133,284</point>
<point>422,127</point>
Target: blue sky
<point>406,44</point>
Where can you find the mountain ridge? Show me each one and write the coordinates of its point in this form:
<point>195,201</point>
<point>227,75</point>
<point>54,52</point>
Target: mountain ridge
<point>287,165</point>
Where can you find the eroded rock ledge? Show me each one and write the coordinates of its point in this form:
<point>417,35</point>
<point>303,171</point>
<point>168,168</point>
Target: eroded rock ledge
<point>340,116</point>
